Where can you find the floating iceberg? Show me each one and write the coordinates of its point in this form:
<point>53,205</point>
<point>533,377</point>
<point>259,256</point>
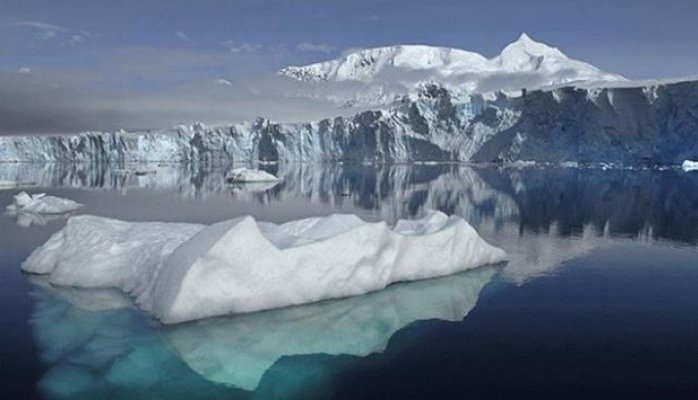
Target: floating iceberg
<point>41,204</point>
<point>250,175</point>
<point>689,165</point>
<point>182,272</point>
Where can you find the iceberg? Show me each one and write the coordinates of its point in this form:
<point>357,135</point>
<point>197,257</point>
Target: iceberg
<point>689,165</point>
<point>242,175</point>
<point>41,204</point>
<point>183,272</point>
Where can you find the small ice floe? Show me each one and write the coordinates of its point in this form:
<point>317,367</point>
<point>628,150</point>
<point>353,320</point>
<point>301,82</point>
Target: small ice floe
<point>689,165</point>
<point>40,203</point>
<point>183,272</point>
<point>521,164</point>
<point>8,184</point>
<point>569,164</point>
<point>244,175</point>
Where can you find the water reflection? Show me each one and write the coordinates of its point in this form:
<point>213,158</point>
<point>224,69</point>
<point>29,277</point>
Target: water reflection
<point>96,344</point>
<point>661,204</point>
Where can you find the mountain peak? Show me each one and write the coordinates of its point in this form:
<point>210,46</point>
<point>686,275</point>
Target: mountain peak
<point>524,45</point>
<point>524,38</point>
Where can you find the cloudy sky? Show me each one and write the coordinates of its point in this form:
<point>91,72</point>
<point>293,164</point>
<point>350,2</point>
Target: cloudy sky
<point>75,65</point>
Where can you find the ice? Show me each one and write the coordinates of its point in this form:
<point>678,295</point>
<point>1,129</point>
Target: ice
<point>242,175</point>
<point>689,165</point>
<point>93,251</point>
<point>101,348</point>
<point>41,204</point>
<point>521,164</point>
<point>238,350</point>
<point>8,184</point>
<point>182,272</point>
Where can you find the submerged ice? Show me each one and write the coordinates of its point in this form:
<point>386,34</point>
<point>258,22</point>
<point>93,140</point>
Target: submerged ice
<point>90,340</point>
<point>182,272</point>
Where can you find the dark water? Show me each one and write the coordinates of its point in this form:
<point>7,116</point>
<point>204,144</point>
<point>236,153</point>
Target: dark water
<point>598,300</point>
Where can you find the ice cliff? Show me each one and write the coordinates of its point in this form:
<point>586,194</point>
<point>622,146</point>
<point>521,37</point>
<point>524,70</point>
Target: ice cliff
<point>655,124</point>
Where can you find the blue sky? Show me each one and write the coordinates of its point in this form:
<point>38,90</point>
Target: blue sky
<point>124,46</point>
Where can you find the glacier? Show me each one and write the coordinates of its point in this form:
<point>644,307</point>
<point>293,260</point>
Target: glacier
<point>648,125</point>
<point>181,272</point>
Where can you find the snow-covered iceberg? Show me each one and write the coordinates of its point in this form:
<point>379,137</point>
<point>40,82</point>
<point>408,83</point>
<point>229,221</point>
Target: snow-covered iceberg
<point>182,272</point>
<point>41,204</point>
<point>689,165</point>
<point>243,175</point>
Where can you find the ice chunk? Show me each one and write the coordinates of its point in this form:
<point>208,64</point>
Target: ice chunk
<point>250,175</point>
<point>238,350</point>
<point>241,265</point>
<point>41,204</point>
<point>689,165</point>
<point>8,184</point>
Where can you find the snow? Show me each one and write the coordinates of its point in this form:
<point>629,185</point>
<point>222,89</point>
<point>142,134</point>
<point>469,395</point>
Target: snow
<point>569,164</point>
<point>523,55</point>
<point>95,252</point>
<point>689,165</point>
<point>521,164</point>
<point>389,72</point>
<point>182,272</point>
<point>250,175</point>
<point>41,204</point>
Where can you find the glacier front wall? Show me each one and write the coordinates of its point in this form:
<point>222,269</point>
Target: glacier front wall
<point>649,125</point>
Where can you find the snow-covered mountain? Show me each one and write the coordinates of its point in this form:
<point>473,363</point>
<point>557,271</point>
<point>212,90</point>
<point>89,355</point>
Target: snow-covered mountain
<point>380,74</point>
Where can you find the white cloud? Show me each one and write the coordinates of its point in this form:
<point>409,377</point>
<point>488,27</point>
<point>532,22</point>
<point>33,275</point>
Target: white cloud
<point>183,36</point>
<point>315,47</point>
<point>242,47</point>
<point>42,30</point>
<point>77,39</point>
<point>24,70</point>
<point>46,31</point>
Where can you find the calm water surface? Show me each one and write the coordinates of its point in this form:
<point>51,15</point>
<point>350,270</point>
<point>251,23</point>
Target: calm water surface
<point>599,299</point>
